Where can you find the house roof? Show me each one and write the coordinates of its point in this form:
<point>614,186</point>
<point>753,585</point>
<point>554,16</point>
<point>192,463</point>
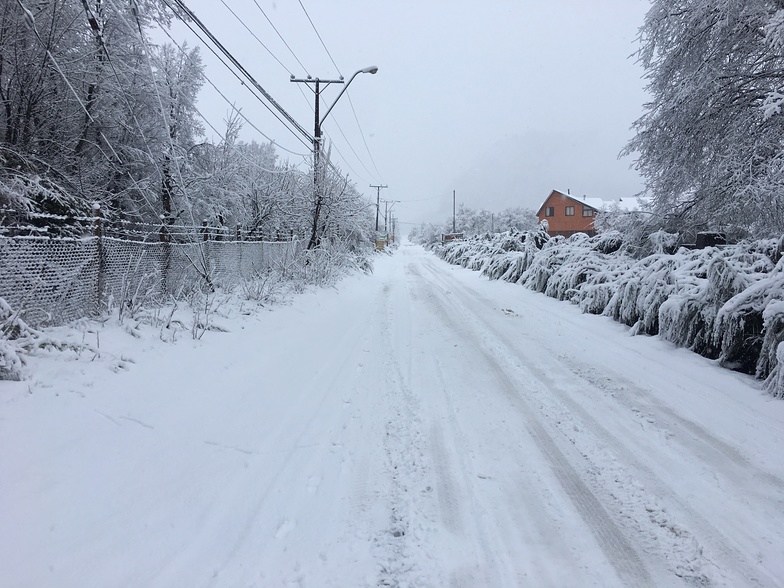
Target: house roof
<point>625,204</point>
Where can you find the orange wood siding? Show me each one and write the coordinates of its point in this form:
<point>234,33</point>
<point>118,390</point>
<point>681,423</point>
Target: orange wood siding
<point>560,224</point>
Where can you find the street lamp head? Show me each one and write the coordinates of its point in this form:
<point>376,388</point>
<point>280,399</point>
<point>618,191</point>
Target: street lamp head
<point>371,69</point>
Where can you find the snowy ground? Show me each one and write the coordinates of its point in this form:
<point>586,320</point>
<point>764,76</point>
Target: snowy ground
<point>418,427</point>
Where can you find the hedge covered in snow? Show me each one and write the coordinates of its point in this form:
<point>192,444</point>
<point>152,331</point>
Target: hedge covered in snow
<point>725,303</point>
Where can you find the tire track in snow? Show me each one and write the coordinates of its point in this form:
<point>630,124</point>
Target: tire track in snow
<point>310,414</point>
<point>397,545</point>
<point>722,455</point>
<point>608,535</point>
<point>685,552</point>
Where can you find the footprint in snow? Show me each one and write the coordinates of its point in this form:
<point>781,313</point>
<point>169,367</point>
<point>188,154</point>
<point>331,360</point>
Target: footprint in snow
<point>313,484</point>
<point>285,528</point>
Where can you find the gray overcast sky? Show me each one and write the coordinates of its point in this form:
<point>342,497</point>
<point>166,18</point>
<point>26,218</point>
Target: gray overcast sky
<point>500,100</point>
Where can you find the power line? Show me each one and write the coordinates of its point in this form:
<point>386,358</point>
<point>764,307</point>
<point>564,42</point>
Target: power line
<point>256,37</point>
<point>362,134</point>
<point>234,108</point>
<point>305,69</point>
<point>240,67</point>
<point>312,24</point>
<point>319,37</point>
<point>350,146</point>
<point>99,36</point>
<point>30,21</point>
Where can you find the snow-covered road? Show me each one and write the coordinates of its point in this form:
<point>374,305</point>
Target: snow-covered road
<point>418,427</point>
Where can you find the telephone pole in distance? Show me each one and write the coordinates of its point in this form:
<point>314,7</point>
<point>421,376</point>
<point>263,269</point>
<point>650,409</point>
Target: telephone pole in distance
<point>378,188</point>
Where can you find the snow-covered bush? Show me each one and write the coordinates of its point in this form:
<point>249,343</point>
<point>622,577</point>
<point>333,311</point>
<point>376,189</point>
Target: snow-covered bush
<point>688,317</point>
<point>18,339</point>
<point>741,325</point>
<point>725,303</point>
<point>326,265</point>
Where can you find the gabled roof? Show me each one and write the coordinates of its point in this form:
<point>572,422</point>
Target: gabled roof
<point>595,203</point>
<point>625,204</point>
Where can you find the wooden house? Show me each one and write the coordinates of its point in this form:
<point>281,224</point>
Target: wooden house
<point>566,214</point>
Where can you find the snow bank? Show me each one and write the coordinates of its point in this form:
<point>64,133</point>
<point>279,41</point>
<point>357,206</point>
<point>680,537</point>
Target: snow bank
<point>725,303</point>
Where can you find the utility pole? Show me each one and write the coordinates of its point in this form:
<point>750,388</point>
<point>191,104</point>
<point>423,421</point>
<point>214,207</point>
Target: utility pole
<point>454,225</point>
<point>317,137</point>
<point>316,152</point>
<point>387,210</point>
<point>378,188</point>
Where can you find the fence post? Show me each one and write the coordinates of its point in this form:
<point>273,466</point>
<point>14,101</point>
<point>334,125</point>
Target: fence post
<point>238,233</point>
<point>165,239</point>
<point>205,254</point>
<point>101,282</point>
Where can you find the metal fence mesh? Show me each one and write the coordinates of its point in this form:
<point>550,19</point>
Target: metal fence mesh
<point>53,281</point>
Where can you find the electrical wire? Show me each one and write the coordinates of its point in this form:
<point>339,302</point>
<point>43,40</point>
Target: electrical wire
<point>350,146</point>
<point>241,68</point>
<point>30,21</point>
<point>362,134</point>
<point>242,22</point>
<point>234,108</point>
<point>281,37</point>
<point>99,36</point>
<point>166,121</point>
<point>319,37</point>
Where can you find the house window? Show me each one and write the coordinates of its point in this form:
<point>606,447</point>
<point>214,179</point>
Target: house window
<point>549,211</point>
<point>587,211</point>
<point>570,211</point>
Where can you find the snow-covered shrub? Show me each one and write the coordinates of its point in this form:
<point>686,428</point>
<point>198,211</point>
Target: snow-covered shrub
<point>687,318</point>
<point>664,242</point>
<point>770,354</point>
<point>721,302</point>
<point>579,265</point>
<point>18,339</point>
<point>544,265</point>
<point>775,381</point>
<point>608,242</point>
<point>262,286</point>
<point>642,289</point>
<point>516,256</point>
<point>741,323</point>
<point>326,265</point>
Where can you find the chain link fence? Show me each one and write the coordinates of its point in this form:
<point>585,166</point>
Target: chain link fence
<point>56,280</point>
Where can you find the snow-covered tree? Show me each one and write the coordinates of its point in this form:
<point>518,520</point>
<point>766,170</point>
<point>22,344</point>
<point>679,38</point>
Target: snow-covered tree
<point>709,145</point>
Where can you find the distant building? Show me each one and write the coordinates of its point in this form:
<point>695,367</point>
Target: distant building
<point>566,214</point>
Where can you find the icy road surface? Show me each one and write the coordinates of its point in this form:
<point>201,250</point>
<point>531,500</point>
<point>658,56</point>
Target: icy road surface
<point>418,427</point>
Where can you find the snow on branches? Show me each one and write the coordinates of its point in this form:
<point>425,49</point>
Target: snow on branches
<point>725,303</point>
<point>18,339</point>
<point>709,144</point>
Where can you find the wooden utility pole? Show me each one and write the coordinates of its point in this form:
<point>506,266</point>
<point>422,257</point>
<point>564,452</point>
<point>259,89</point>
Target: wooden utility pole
<point>378,188</point>
<point>454,224</point>
<point>317,189</point>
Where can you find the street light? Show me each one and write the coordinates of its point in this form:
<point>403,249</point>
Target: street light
<point>372,69</point>
<point>387,210</point>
